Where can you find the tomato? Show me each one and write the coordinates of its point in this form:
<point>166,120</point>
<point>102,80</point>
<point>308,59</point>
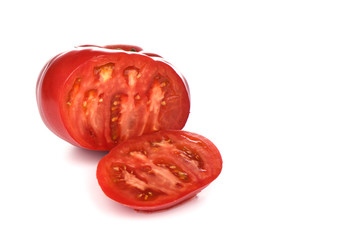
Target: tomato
<point>96,97</point>
<point>159,170</point>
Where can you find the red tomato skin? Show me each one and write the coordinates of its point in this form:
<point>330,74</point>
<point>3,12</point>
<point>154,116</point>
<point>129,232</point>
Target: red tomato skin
<point>55,73</point>
<point>215,164</point>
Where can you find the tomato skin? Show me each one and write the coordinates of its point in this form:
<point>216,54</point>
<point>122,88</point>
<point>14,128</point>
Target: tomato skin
<point>161,153</point>
<point>55,74</point>
<point>124,47</point>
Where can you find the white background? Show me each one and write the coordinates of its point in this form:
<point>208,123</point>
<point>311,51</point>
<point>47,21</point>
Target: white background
<point>274,84</point>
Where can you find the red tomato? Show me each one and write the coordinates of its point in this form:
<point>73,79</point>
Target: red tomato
<point>95,97</point>
<point>158,170</point>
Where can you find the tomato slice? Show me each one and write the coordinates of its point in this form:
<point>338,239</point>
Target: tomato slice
<point>159,170</point>
<point>111,98</point>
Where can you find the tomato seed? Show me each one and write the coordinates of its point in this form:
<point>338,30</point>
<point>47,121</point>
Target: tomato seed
<point>183,175</point>
<point>146,195</point>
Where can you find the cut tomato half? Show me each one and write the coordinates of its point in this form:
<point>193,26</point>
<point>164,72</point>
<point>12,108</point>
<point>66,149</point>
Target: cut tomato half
<point>96,97</point>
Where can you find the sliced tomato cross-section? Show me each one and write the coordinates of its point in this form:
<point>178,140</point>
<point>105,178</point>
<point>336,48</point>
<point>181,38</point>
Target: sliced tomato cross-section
<point>159,170</point>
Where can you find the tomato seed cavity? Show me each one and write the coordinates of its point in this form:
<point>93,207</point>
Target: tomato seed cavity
<point>115,115</point>
<point>175,170</point>
<point>131,73</point>
<point>73,91</point>
<point>104,73</point>
<point>191,156</point>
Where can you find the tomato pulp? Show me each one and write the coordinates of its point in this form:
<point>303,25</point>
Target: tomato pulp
<point>158,170</point>
<point>96,97</point>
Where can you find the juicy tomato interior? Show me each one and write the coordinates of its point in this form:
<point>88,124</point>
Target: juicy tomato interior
<point>112,98</point>
<point>159,170</point>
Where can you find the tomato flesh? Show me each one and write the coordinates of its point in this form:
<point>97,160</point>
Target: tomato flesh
<point>159,170</point>
<point>107,102</point>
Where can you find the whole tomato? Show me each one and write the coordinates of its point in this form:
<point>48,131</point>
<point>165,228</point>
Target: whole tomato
<point>96,97</point>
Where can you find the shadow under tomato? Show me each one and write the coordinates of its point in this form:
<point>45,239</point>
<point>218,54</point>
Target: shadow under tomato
<point>119,210</point>
<point>85,156</point>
